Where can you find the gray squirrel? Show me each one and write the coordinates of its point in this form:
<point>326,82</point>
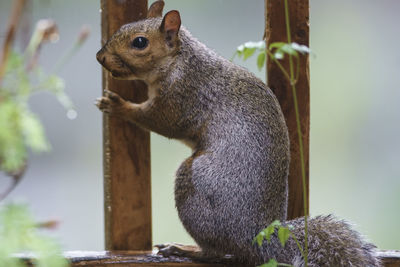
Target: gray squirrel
<point>236,181</point>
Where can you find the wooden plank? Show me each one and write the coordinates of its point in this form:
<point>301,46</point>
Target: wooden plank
<point>390,258</point>
<point>146,258</point>
<point>136,258</point>
<point>275,31</point>
<point>127,189</point>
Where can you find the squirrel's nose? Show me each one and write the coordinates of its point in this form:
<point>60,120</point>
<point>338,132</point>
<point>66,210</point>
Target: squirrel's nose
<point>100,56</point>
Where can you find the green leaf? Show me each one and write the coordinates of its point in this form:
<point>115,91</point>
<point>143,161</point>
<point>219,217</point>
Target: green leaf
<point>279,49</point>
<point>259,239</point>
<point>24,85</point>
<point>14,61</point>
<point>53,84</point>
<point>270,263</point>
<point>248,52</point>
<point>34,132</point>
<point>248,49</point>
<point>19,234</point>
<point>271,229</point>
<point>268,232</point>
<point>12,146</point>
<point>19,129</point>
<point>261,60</point>
<point>283,235</point>
<point>276,45</point>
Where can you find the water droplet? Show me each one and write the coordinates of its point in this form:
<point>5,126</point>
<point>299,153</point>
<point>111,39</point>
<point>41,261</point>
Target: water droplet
<point>72,114</point>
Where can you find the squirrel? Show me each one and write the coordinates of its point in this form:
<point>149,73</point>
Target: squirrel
<point>236,181</point>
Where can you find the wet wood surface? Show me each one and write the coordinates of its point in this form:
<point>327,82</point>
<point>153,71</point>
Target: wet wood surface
<point>390,258</point>
<point>127,188</point>
<point>275,31</point>
<point>134,258</point>
<point>147,258</point>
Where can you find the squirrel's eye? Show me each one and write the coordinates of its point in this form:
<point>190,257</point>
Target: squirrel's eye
<point>140,43</point>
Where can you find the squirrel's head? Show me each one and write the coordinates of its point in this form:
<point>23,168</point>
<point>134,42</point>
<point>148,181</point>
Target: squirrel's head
<point>137,48</point>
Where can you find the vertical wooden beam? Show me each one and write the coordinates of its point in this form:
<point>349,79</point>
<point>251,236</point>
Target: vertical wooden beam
<point>127,191</point>
<point>275,31</point>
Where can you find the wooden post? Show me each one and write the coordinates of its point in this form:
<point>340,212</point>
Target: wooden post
<point>275,31</point>
<point>127,190</point>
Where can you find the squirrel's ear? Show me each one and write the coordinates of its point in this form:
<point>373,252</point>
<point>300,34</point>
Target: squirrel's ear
<point>170,25</point>
<point>156,9</point>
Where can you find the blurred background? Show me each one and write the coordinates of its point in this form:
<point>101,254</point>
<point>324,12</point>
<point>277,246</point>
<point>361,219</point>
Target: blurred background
<point>355,117</point>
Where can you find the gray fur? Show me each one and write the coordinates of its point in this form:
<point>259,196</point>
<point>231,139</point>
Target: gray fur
<point>235,183</point>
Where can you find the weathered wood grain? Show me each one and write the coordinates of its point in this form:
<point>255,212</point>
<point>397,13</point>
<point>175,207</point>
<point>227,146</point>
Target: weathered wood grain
<point>146,258</point>
<point>137,258</point>
<point>127,189</point>
<point>275,31</point>
<point>390,258</point>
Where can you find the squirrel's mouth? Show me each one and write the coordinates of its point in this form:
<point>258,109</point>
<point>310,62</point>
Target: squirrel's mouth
<point>122,69</point>
<point>120,75</point>
<point>113,63</point>
<point>116,74</point>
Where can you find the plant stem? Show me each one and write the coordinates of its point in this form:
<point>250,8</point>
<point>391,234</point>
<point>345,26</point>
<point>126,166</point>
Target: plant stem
<point>297,70</point>
<point>278,64</point>
<point>299,133</point>
<point>15,16</point>
<point>16,178</point>
<point>297,243</point>
<point>65,57</point>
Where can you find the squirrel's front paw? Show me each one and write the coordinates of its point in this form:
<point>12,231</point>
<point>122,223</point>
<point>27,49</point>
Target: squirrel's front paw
<point>110,103</point>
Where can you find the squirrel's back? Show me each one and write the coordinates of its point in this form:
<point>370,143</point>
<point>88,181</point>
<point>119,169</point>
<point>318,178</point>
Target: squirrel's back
<point>239,179</point>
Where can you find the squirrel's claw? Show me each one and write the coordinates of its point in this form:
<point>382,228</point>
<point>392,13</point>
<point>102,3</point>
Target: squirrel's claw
<point>168,250</point>
<point>110,102</point>
<point>112,96</point>
<point>175,249</point>
<point>103,104</point>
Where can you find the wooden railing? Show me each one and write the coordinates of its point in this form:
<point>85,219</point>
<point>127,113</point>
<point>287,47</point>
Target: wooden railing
<point>127,188</point>
<point>143,258</point>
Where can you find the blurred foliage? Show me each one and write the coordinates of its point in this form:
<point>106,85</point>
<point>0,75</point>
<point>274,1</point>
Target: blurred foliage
<point>284,233</point>
<point>276,51</point>
<point>20,130</point>
<point>20,234</point>
<point>247,49</point>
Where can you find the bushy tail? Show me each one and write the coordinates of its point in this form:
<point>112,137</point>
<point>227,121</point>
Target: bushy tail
<point>331,242</point>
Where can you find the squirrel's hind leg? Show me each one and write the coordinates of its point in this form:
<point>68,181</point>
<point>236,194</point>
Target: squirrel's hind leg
<point>175,249</point>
